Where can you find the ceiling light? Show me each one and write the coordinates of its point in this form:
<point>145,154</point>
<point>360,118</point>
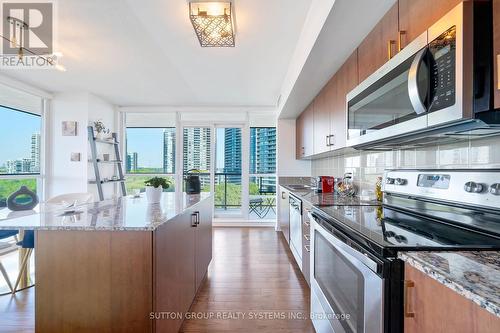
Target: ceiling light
<point>60,68</point>
<point>213,23</point>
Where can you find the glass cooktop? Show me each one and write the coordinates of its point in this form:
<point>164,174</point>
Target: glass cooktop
<point>387,230</point>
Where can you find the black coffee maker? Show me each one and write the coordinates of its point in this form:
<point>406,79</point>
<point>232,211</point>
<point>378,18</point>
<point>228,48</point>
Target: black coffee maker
<point>193,184</point>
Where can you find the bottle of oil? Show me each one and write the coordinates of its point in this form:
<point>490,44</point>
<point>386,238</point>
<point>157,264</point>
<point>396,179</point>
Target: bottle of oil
<point>378,189</point>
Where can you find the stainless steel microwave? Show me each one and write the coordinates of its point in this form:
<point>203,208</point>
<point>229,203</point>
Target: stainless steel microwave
<point>438,85</point>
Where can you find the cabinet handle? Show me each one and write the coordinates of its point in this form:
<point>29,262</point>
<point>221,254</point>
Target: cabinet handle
<point>400,39</point>
<point>390,44</point>
<point>194,224</point>
<point>283,195</point>
<point>330,141</point>
<point>498,71</point>
<point>197,217</point>
<point>308,248</point>
<point>307,237</point>
<point>406,296</point>
<point>326,138</point>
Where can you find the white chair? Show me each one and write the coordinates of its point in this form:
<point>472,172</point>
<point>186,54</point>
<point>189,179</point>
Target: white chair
<point>71,198</point>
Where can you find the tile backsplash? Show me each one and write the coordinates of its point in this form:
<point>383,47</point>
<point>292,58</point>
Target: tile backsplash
<point>366,166</point>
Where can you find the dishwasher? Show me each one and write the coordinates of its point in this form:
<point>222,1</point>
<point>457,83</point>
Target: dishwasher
<point>296,228</point>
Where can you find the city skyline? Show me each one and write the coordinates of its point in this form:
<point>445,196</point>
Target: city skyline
<point>17,127</point>
<point>26,164</point>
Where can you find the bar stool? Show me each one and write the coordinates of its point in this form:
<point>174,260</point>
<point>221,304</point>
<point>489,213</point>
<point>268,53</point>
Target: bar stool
<point>6,248</point>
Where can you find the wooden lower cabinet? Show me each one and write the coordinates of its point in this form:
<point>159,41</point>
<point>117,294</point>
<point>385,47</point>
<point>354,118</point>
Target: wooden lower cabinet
<point>432,307</point>
<point>115,281</point>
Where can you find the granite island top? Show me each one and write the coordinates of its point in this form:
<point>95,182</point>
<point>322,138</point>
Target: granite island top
<point>124,213</point>
<point>474,275</point>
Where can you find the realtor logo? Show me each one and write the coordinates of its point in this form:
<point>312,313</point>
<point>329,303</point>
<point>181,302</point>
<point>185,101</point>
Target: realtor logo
<point>28,35</point>
<point>27,25</point>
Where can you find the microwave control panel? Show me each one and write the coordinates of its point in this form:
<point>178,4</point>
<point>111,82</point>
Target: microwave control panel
<point>442,67</point>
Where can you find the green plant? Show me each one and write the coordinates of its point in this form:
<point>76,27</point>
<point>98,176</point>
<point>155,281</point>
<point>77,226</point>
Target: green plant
<point>99,127</point>
<point>157,182</point>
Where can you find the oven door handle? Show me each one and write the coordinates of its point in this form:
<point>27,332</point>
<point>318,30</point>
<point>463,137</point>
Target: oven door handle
<point>413,90</point>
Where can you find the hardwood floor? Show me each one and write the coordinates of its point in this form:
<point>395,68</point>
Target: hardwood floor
<point>17,313</point>
<point>253,278</point>
<point>252,274</point>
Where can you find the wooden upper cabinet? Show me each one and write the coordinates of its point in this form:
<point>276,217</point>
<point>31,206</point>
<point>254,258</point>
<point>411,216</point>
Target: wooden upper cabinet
<point>304,132</point>
<point>321,120</point>
<point>496,50</point>
<point>346,79</point>
<point>415,16</point>
<point>432,307</point>
<point>380,45</point>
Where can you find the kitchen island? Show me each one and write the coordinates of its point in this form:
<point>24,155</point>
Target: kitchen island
<point>117,265</point>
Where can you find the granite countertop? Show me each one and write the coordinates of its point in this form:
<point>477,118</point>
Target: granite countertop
<point>124,213</point>
<point>474,275</point>
<point>329,199</point>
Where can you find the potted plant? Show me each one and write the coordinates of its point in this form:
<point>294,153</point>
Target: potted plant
<point>154,188</point>
<point>100,129</point>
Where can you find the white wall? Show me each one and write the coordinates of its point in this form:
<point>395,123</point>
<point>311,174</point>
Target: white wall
<point>288,165</point>
<point>65,176</point>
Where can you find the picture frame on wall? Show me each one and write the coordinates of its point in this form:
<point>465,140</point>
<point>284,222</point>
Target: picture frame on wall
<point>75,157</point>
<point>69,128</point>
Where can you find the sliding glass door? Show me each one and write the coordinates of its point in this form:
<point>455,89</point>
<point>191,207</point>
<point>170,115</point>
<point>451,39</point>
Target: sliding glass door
<point>228,177</point>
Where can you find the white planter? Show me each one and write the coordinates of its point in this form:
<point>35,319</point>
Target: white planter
<point>154,194</point>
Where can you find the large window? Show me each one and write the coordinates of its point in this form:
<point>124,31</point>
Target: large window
<point>20,151</point>
<point>149,152</point>
<point>262,184</point>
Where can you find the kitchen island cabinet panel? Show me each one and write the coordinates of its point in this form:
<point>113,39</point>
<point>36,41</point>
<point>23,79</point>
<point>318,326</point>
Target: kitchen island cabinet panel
<point>496,51</point>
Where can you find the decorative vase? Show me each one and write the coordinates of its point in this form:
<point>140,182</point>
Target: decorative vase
<point>154,194</point>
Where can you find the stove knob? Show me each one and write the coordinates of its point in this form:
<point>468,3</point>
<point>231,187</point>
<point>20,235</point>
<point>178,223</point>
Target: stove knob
<point>400,181</point>
<point>495,189</point>
<point>401,239</point>
<point>473,187</point>
<point>390,234</point>
<point>389,180</point>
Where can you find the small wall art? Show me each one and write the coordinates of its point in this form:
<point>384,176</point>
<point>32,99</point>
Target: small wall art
<point>75,157</point>
<point>69,128</point>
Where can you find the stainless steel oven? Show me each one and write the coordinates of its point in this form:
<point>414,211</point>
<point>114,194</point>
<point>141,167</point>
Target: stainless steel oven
<point>441,78</point>
<point>347,288</point>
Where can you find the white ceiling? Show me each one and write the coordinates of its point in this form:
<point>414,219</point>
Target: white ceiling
<point>134,52</point>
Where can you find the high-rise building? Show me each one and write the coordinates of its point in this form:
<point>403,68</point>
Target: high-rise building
<point>196,153</point>
<point>263,150</point>
<point>19,166</point>
<point>169,150</point>
<point>132,162</point>
<point>35,152</point>
<point>232,150</point>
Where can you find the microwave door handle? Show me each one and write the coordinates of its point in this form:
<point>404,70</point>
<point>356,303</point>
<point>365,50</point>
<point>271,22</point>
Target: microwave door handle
<point>413,90</point>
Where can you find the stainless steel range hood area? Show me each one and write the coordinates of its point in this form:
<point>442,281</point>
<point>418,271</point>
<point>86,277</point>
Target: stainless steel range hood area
<point>446,134</point>
<point>437,90</point>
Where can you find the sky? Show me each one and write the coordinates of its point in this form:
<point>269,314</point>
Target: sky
<point>148,143</point>
<point>16,129</point>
